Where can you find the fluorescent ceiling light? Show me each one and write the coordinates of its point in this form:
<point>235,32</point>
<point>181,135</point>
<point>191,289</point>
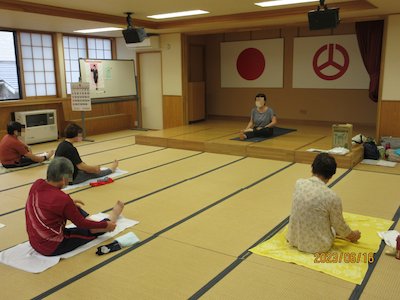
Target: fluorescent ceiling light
<point>179,14</point>
<point>282,2</point>
<point>104,29</point>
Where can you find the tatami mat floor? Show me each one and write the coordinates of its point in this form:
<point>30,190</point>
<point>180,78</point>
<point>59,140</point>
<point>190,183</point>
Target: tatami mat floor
<point>198,213</point>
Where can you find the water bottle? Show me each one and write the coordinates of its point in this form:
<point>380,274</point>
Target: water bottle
<point>387,147</point>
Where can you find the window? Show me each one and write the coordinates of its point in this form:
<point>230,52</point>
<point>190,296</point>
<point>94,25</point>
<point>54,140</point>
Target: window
<point>74,48</point>
<point>38,64</point>
<point>9,79</point>
<point>81,47</point>
<point>99,48</point>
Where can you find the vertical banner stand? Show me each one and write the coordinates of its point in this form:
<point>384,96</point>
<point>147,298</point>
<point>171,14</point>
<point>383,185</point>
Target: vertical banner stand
<point>80,101</point>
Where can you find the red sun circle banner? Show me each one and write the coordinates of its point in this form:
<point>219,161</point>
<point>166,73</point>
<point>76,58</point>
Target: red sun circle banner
<point>250,64</point>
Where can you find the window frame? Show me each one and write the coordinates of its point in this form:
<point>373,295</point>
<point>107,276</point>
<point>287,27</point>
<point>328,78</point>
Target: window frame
<point>55,63</point>
<point>86,37</point>
<point>21,91</point>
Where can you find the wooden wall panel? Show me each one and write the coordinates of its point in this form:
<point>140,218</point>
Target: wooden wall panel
<point>6,108</point>
<point>389,118</point>
<point>196,101</point>
<point>172,111</point>
<point>104,117</point>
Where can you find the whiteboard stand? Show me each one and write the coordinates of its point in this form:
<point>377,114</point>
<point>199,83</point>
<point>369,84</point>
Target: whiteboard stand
<point>115,78</point>
<point>84,128</point>
<point>81,101</point>
<point>139,111</point>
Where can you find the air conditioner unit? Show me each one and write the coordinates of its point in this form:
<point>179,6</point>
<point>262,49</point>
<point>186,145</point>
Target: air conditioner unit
<point>40,125</point>
<point>150,43</point>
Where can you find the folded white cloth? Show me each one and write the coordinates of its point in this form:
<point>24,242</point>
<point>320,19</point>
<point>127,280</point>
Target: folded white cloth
<point>127,239</point>
<point>336,151</point>
<point>389,237</point>
<point>379,162</point>
<point>117,173</point>
<point>25,258</point>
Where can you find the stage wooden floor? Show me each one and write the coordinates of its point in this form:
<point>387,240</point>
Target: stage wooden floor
<point>199,213</point>
<point>216,136</point>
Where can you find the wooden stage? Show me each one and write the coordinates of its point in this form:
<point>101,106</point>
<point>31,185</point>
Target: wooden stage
<point>216,136</point>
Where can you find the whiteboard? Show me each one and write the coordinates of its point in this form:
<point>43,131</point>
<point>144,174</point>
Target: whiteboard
<point>109,78</point>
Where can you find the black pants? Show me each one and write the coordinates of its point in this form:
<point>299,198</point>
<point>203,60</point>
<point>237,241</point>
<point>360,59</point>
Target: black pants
<point>263,132</point>
<point>22,163</point>
<point>75,237</point>
<point>83,176</point>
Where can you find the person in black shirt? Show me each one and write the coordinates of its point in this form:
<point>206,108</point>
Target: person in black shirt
<point>82,171</point>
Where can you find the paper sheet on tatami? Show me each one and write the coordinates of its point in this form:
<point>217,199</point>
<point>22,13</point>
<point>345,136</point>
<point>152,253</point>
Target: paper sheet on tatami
<point>25,258</point>
<point>346,260</point>
<point>117,173</point>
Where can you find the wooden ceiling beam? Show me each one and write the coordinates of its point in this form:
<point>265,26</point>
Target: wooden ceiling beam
<point>50,10</point>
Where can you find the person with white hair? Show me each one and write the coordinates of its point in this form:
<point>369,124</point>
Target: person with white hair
<point>48,209</point>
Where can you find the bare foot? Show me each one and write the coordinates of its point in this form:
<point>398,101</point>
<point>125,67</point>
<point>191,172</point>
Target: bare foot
<point>118,207</point>
<point>242,136</point>
<point>116,211</point>
<point>114,166</point>
<point>50,154</point>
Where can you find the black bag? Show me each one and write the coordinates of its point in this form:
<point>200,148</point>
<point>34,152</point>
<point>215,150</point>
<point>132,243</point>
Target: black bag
<point>371,150</point>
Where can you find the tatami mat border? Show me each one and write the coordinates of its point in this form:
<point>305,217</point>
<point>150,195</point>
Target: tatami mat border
<point>356,294</point>
<point>88,144</point>
<point>155,235</point>
<point>247,253</point>
<point>123,176</point>
<point>153,192</point>
<point>120,147</point>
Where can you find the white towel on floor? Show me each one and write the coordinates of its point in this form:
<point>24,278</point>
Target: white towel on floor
<point>117,173</point>
<point>389,237</point>
<point>379,162</point>
<point>336,151</point>
<point>25,258</point>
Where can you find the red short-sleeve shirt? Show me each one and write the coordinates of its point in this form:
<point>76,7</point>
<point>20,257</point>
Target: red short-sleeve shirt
<point>11,150</point>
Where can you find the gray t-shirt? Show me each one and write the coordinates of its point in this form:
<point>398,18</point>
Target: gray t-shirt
<point>262,119</point>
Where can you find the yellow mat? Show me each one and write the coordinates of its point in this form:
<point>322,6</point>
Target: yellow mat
<point>346,260</point>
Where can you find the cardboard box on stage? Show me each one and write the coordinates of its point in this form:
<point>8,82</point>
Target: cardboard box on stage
<point>341,135</point>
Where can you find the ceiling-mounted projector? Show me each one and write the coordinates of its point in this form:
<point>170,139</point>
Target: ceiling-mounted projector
<point>132,34</point>
<point>323,17</point>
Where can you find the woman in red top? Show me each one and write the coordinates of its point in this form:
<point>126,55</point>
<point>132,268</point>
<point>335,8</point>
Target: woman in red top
<point>48,209</point>
<point>14,153</point>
